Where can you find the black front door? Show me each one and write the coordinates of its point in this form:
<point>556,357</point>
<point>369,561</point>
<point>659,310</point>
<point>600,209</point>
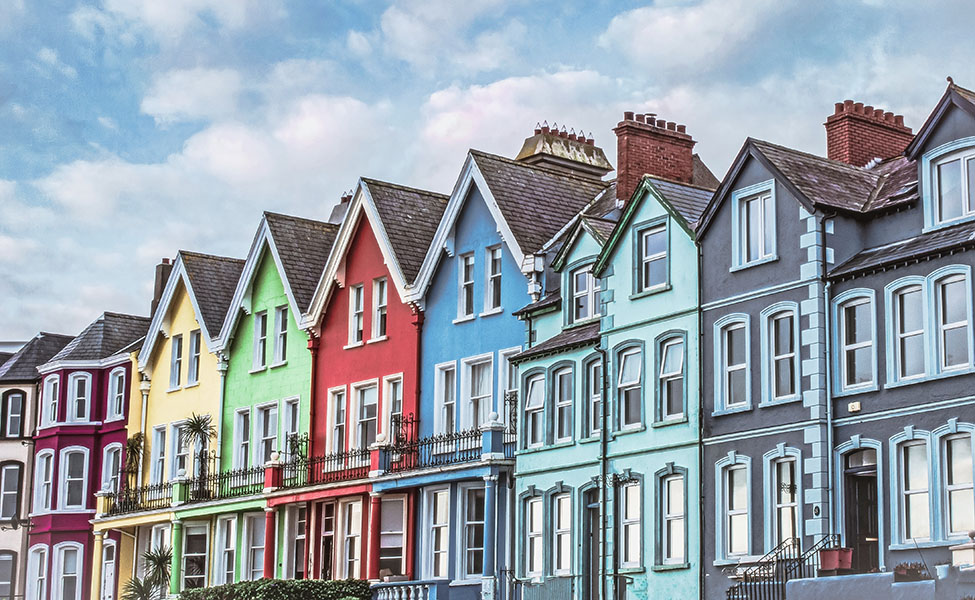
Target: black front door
<point>590,551</point>
<point>861,520</point>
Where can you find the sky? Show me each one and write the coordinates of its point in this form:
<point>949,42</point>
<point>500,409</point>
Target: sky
<point>130,129</point>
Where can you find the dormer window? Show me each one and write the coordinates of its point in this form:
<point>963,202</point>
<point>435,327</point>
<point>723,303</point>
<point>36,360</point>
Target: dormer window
<point>585,294</point>
<point>753,233</point>
<point>954,185</point>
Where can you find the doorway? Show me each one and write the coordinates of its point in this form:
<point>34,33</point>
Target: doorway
<point>590,549</point>
<point>862,527</point>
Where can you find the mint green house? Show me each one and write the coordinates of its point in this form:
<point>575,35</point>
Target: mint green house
<point>265,408</point>
<point>610,395</point>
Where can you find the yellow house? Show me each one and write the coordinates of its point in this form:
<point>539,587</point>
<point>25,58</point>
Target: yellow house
<point>180,376</point>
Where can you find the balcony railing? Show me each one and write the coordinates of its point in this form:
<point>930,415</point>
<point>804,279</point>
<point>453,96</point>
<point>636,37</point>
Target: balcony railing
<point>434,451</point>
<point>326,468</point>
<point>137,499</point>
<point>410,590</point>
<point>767,579</point>
<point>227,484</point>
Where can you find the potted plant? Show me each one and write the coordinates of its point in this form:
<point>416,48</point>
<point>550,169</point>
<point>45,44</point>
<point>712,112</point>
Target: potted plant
<point>911,572</point>
<point>832,559</point>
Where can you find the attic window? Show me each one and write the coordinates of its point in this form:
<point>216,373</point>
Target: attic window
<point>954,185</point>
<point>753,233</point>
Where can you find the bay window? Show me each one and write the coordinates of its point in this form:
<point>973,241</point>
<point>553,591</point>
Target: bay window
<point>37,575</point>
<point>73,478</point>
<point>67,564</point>
<point>43,478</point>
<point>51,393</point>
<point>79,386</point>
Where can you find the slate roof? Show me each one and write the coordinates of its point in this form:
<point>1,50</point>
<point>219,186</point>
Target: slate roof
<point>690,201</point>
<point>835,184</point>
<point>536,201</point>
<point>22,366</point>
<point>933,242</point>
<point>214,280</point>
<point>4,357</point>
<point>964,93</point>
<point>410,217</point>
<point>107,336</point>
<point>303,247</point>
<point>552,299</point>
<point>702,176</point>
<point>576,337</point>
<point>601,228</point>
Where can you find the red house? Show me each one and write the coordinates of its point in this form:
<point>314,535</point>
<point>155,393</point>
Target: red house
<point>365,378</point>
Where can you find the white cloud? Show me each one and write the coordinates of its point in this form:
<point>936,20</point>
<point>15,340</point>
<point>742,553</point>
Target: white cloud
<point>48,58</point>
<point>108,123</point>
<point>189,94</point>
<point>702,36</point>
<point>358,43</point>
<point>11,11</point>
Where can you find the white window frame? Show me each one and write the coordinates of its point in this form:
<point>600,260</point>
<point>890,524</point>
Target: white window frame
<point>296,529</point>
<point>291,423</point>
<point>463,500</point>
<point>380,306</point>
<point>243,446</point>
<point>224,554</point>
<point>37,572</point>
<point>764,191</point>
<point>534,410</point>
<point>357,302</point>
<point>724,370</point>
<point>280,351</point>
<point>196,528</point>
<point>157,471</point>
<point>728,513</point>
<point>665,377</point>
<point>904,494</point>
<point>18,467</point>
<point>963,155</point>
<point>71,415</point>
<point>778,506</point>
<point>468,419</point>
<point>52,389</point>
<point>624,386</point>
<point>942,327</point>
<point>260,340</point>
<point>252,543</point>
<point>345,534</point>
<point>629,523</point>
<point>646,260</point>
<point>492,279</point>
<point>437,528</point>
<point>563,405</point>
<point>109,480</point>
<point>193,368</point>
<point>465,286</point>
<point>176,362</point>
<point>386,423</point>
<point>108,579</point>
<point>387,503</point>
<point>175,453</point>
<point>901,336</point>
<point>263,412</point>
<point>63,505</point>
<point>847,348</point>
<point>8,429</point>
<point>591,294</point>
<point>508,381</point>
<point>338,399</point>
<point>43,481</point>
<point>58,570</point>
<point>445,393</point>
<point>594,397</point>
<point>357,389</point>
<point>534,538</point>
<point>950,488</point>
<point>560,531</point>
<point>671,515</point>
<point>115,396</point>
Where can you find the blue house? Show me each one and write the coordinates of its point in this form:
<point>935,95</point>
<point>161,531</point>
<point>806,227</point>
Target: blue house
<point>482,265</point>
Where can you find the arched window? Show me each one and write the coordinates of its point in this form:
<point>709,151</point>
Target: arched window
<point>912,483</point>
<point>49,402</point>
<point>115,403</point>
<point>12,414</point>
<point>68,574</point>
<point>948,177</point>
<point>783,493</point>
<point>952,308</point>
<point>593,375</point>
<point>37,573</point>
<point>535,410</point>
<point>733,504</point>
<point>780,353</point>
<point>111,467</point>
<point>855,341</point>
<point>671,378</point>
<point>73,478</point>
<point>43,480</point>
<point>79,397</point>
<point>629,387</point>
<point>732,360</point>
<point>563,390</point>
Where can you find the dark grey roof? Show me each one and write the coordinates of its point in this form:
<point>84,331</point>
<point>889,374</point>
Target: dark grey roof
<point>4,357</point>
<point>536,201</point>
<point>702,176</point>
<point>964,93</point>
<point>835,184</point>
<point>303,246</point>
<point>553,299</point>
<point>22,366</point>
<point>690,201</point>
<point>575,337</point>
<point>925,244</point>
<point>107,336</point>
<point>214,280</point>
<point>410,217</point>
<point>600,228</point>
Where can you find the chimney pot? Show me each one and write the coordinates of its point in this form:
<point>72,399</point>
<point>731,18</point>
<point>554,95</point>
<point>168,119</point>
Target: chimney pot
<point>878,114</point>
<point>682,129</point>
<point>838,108</point>
<point>671,126</point>
<point>628,115</point>
<point>858,108</point>
<point>899,120</point>
<point>538,128</point>
<point>662,123</point>
<point>640,118</point>
<point>868,110</point>
<point>572,135</point>
<point>847,105</point>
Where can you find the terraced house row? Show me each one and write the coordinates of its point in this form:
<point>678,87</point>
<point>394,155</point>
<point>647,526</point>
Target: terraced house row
<point>549,383</point>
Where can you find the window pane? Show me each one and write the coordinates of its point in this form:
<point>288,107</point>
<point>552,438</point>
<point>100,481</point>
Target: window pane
<point>962,510</point>
<point>858,366</point>
<point>786,478</point>
<point>785,381</point>
<point>632,502</point>
<point>735,345</point>
<point>738,534</point>
<point>581,307</point>
<point>654,242</point>
<point>912,356</point>
<point>782,331</point>
<point>737,490</point>
<point>915,467</point>
<point>655,272</point>
<point>675,496</point>
<point>768,221</point>
<point>970,168</point>
<point>959,460</point>
<point>956,346</point>
<point>911,311</point>
<point>675,539</point>
<point>949,190</point>
<point>954,305</point>
<point>673,358</point>
<point>917,515</point>
<point>630,369</point>
<point>631,406</point>
<point>736,387</point>
<point>753,228</point>
<point>674,390</point>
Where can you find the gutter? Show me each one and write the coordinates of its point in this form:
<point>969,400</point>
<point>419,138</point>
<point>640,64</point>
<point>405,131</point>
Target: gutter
<point>827,284</point>
<point>604,476</point>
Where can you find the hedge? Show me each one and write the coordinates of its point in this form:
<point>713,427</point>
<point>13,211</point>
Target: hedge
<point>283,589</point>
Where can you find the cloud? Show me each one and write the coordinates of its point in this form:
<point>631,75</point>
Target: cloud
<point>108,123</point>
<point>191,94</point>
<point>358,43</point>
<point>49,60</point>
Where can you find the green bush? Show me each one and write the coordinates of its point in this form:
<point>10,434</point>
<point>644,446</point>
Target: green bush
<point>284,589</point>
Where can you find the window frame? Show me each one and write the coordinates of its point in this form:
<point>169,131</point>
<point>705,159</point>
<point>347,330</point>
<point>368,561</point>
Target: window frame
<point>107,478</point>
<point>50,400</point>
<point>770,461</point>
<point>358,389</point>
<point>196,527</point>
<point>768,357</point>
<point>592,294</point>
<point>961,149</point>
<point>559,405</point>
<point>250,546</point>
<point>463,493</point>
<point>43,501</point>
<point>558,532</point>
<point>71,415</point>
<point>661,345</point>
<point>390,383</point>
<point>114,397</point>
<point>853,297</point>
<point>632,522</point>
<point>441,388</point>
<point>174,436</point>
<point>938,280</point>
<point>664,516</point>
<point>6,401</point>
<point>533,538</point>
<point>380,308</point>
<point>175,362</point>
<point>222,552</point>
<point>193,368</point>
<point>722,517</point>
<point>345,534</point>
<point>62,480</point>
<point>157,468</point>
<point>739,197</point>
<point>640,231</point>
<point>898,336</point>
<point>945,488</point>
<point>492,280</point>
<point>593,417</point>
<point>58,569</point>
<point>263,412</point>
<point>279,352</point>
<point>904,494</point>
<point>357,315</point>
<point>338,403</point>
<point>465,286</point>
<point>721,326</point>
<point>535,377</point>
<point>17,492</point>
<point>621,352</point>
<point>108,587</point>
<point>12,584</point>
<point>469,419</point>
<point>38,572</point>
<point>401,500</point>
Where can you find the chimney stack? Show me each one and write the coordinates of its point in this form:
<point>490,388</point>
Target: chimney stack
<point>857,134</point>
<point>566,150</point>
<point>647,145</point>
<point>163,269</point>
<point>339,210</point>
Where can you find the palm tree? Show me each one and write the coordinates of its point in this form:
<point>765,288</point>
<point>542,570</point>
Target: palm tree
<point>198,430</point>
<point>155,584</point>
<point>133,453</point>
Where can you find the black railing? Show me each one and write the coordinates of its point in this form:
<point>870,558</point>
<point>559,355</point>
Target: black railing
<point>510,424</point>
<point>236,483</point>
<point>434,451</point>
<point>137,499</point>
<point>767,579</point>
<point>327,468</point>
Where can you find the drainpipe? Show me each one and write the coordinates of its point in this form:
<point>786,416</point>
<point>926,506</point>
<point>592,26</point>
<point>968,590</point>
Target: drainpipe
<point>144,387</point>
<point>418,319</point>
<point>827,320</point>
<point>604,478</point>
<point>700,413</point>
<point>222,365</point>
<point>313,341</point>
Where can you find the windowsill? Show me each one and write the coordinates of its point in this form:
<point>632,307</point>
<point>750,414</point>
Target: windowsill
<point>465,582</point>
<point>110,420</point>
<point>376,340</point>
<point>561,443</point>
<point>873,387</point>
<point>174,389</point>
<point>779,401</point>
<point>630,429</point>
<point>493,311</point>
<point>754,263</point>
<point>927,544</point>
<point>732,410</point>
<point>589,440</point>
<point>669,421</point>
<point>628,570</point>
<point>191,385</point>
<point>353,345</point>
<point>463,319</point>
<point>279,364</point>
<point>922,378</point>
<point>673,567</point>
<point>581,322</point>
<point>657,289</point>
<point>946,224</point>
<point>257,370</point>
<point>744,559</point>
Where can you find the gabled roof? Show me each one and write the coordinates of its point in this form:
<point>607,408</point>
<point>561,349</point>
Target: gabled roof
<point>299,248</point>
<point>915,248</point>
<point>210,282</point>
<point>954,95</point>
<point>22,366</point>
<point>4,357</point>
<point>530,204</point>
<point>109,335</point>
<point>822,183</point>
<point>403,220</point>
<point>575,337</point>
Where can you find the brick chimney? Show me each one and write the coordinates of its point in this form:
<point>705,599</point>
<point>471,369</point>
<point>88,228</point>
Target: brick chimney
<point>163,269</point>
<point>339,210</point>
<point>857,134</point>
<point>647,145</point>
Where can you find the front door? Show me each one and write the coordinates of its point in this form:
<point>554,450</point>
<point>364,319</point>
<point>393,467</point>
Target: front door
<point>862,529</point>
<point>108,572</point>
<point>590,551</point>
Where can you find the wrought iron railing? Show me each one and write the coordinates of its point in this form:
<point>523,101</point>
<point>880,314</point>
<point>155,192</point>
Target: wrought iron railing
<point>767,579</point>
<point>439,450</point>
<point>216,485</point>
<point>510,424</point>
<point>137,499</point>
<point>327,468</point>
<point>553,588</point>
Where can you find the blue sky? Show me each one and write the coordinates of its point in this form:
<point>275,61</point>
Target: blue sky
<point>132,128</point>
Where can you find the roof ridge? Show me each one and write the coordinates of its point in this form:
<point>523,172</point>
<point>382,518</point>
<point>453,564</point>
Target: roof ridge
<point>125,315</point>
<point>838,163</point>
<point>51,334</point>
<point>297,218</point>
<point>543,168</point>
<point>681,183</point>
<point>370,180</point>
<point>204,255</point>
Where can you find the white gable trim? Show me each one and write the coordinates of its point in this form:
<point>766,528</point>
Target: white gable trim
<point>156,325</point>
<point>470,176</point>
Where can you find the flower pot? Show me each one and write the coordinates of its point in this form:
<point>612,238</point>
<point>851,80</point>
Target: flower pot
<point>829,559</point>
<point>845,557</point>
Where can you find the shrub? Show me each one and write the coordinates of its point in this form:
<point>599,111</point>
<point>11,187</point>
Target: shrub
<point>284,589</point>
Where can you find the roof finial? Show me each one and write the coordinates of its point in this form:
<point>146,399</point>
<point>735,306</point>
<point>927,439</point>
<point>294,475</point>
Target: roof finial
<point>950,80</point>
